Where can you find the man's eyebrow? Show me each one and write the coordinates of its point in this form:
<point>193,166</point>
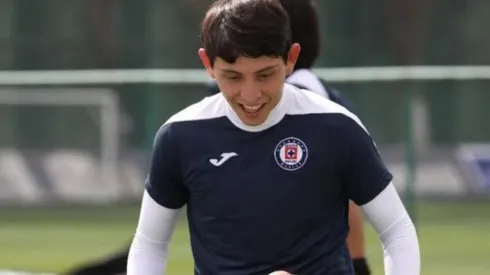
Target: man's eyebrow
<point>266,69</point>
<point>229,71</point>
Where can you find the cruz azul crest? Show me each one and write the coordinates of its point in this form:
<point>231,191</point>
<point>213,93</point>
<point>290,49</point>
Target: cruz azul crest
<point>291,153</point>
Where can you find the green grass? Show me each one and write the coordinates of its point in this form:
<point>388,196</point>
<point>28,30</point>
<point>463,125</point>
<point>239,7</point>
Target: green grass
<point>454,238</point>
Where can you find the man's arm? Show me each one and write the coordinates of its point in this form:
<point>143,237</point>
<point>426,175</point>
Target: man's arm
<point>164,196</point>
<point>369,184</point>
<point>391,221</point>
<point>355,240</point>
<point>148,252</point>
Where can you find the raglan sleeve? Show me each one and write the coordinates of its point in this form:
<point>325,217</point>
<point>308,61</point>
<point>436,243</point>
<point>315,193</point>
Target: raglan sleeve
<point>164,182</point>
<point>364,172</point>
<point>369,184</point>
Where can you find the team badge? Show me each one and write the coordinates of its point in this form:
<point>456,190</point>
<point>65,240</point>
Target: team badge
<point>291,153</point>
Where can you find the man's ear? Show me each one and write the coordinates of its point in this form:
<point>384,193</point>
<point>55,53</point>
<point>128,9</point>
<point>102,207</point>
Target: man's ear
<point>293,55</point>
<point>206,62</point>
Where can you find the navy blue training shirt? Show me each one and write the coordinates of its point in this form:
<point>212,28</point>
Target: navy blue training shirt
<point>268,197</point>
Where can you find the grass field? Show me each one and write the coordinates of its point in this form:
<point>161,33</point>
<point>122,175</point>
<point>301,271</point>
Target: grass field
<point>454,238</point>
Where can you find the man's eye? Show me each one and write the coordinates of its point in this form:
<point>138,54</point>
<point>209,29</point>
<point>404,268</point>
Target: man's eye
<point>232,77</point>
<point>264,76</point>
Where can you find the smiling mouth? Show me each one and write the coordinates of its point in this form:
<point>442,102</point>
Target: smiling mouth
<point>252,109</point>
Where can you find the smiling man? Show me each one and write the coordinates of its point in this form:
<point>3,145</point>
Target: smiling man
<point>266,169</point>
<point>305,30</point>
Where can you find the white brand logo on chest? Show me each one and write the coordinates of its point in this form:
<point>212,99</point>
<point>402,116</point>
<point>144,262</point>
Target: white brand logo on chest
<point>224,157</point>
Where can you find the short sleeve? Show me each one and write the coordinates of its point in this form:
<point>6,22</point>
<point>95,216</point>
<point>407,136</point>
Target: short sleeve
<point>364,172</point>
<point>164,182</point>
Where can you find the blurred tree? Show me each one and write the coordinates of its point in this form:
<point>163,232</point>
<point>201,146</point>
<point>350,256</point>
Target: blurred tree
<point>103,33</point>
<point>444,47</point>
<point>407,34</point>
<point>473,98</point>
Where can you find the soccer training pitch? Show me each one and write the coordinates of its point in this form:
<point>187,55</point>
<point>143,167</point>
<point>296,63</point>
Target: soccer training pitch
<point>454,238</point>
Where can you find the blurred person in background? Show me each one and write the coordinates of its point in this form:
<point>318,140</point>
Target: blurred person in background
<point>305,30</point>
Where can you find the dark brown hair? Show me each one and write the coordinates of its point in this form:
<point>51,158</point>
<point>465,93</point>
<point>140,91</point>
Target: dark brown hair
<point>305,30</point>
<point>250,28</point>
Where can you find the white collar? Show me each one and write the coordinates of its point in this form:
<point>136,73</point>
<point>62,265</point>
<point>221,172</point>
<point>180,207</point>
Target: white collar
<point>307,79</point>
<point>275,116</point>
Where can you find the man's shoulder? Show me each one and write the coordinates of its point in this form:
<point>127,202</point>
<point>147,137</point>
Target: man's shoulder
<point>307,79</point>
<point>208,108</point>
<point>319,111</point>
<point>306,102</point>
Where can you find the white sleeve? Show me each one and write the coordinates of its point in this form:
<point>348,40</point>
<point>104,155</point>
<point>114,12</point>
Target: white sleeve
<point>391,221</point>
<point>149,249</point>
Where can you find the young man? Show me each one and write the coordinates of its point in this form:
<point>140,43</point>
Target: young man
<point>266,170</point>
<point>304,25</point>
<point>303,19</point>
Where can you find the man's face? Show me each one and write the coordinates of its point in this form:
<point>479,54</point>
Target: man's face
<point>252,86</point>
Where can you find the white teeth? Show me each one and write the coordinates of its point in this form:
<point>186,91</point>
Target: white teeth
<point>251,108</point>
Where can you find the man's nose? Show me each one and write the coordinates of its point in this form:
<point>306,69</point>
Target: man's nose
<point>251,93</point>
